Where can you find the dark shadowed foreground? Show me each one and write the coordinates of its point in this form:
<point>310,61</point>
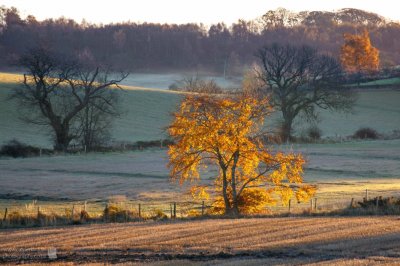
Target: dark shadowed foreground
<point>326,240</point>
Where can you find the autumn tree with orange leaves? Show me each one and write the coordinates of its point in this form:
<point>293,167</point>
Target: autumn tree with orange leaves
<point>226,133</point>
<point>358,55</point>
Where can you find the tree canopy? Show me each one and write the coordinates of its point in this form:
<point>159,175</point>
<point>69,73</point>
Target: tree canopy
<point>358,55</point>
<point>218,48</point>
<point>227,133</point>
<point>299,80</point>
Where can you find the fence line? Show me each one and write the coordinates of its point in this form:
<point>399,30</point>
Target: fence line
<point>180,209</point>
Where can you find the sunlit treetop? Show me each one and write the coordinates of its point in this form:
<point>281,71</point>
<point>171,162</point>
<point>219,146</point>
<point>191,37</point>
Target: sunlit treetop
<point>228,132</point>
<point>358,54</point>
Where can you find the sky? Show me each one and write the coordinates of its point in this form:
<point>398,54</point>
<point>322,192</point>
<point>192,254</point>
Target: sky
<point>184,11</point>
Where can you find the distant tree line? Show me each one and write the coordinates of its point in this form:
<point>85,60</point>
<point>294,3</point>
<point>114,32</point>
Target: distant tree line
<point>219,47</point>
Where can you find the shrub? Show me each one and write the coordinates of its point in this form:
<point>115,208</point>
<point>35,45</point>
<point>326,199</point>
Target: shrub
<point>43,219</point>
<point>193,213</point>
<point>158,214</point>
<point>314,133</point>
<point>84,216</point>
<point>174,87</point>
<point>15,149</point>
<point>16,218</point>
<point>375,206</point>
<point>366,133</point>
<point>115,213</point>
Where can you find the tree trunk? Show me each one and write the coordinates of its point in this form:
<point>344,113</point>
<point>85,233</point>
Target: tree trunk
<point>87,131</point>
<point>62,138</point>
<point>61,144</point>
<point>225,192</point>
<point>287,129</point>
<point>235,206</point>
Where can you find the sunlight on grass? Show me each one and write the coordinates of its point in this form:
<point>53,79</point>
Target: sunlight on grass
<point>17,78</point>
<point>10,78</point>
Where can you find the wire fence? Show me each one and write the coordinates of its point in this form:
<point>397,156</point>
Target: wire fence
<point>132,210</point>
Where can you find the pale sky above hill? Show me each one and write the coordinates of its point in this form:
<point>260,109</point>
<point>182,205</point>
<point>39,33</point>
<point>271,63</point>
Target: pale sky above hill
<point>184,11</point>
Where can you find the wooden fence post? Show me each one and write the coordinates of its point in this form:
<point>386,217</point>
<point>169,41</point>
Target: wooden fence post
<point>202,208</point>
<point>311,205</point>
<point>170,210</point>
<point>352,203</point>
<point>140,211</point>
<point>174,209</point>
<point>5,215</point>
<point>315,204</point>
<point>38,212</point>
<point>366,194</point>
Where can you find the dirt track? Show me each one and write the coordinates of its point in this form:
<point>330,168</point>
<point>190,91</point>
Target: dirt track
<point>338,240</point>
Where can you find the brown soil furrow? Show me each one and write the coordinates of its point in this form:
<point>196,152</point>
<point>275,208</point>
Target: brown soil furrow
<point>156,235</point>
<point>175,235</point>
<point>318,238</point>
<point>326,235</point>
<point>86,232</point>
<point>259,233</point>
<point>236,239</point>
<point>226,234</point>
<point>23,234</point>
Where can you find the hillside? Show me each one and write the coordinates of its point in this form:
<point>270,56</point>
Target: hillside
<point>263,241</point>
<point>146,112</point>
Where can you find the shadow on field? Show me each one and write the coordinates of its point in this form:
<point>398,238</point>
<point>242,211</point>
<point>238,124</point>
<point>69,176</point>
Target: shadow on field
<point>374,249</point>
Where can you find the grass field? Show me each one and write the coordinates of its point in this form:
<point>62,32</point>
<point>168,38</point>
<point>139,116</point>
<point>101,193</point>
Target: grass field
<point>146,112</point>
<point>382,82</point>
<point>341,171</point>
<point>262,241</point>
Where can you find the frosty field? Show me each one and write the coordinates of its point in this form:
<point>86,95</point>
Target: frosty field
<point>341,170</point>
<point>146,112</point>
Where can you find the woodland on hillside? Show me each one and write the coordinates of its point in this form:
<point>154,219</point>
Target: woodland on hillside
<point>219,48</point>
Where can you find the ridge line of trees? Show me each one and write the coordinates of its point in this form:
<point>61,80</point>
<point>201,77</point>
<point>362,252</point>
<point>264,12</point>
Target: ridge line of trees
<point>219,48</point>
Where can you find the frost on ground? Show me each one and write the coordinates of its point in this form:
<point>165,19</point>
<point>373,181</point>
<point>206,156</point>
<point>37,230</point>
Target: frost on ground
<point>339,169</point>
<point>146,113</point>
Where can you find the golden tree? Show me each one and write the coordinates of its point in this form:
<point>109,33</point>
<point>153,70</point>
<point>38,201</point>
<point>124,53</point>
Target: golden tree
<point>226,133</point>
<point>358,55</point>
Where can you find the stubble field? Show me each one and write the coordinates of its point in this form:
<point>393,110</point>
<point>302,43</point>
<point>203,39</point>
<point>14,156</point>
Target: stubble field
<point>262,241</point>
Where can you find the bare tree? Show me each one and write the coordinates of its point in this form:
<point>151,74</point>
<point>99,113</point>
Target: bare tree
<point>95,125</point>
<point>55,91</point>
<point>197,85</point>
<point>96,117</point>
<point>299,80</point>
